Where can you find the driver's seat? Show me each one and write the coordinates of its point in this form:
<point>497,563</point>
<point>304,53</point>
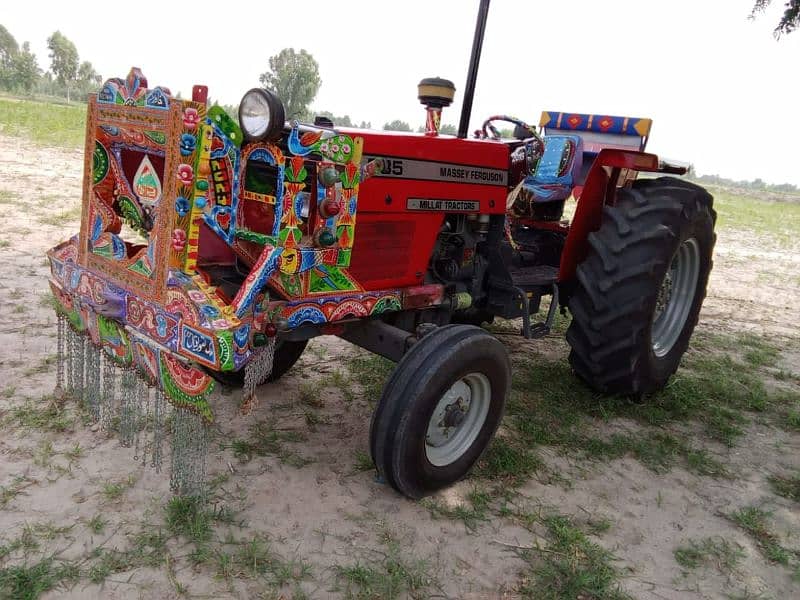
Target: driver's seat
<point>544,192</point>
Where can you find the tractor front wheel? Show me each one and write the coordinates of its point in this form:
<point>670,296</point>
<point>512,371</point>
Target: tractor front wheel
<point>638,292</point>
<point>439,409</point>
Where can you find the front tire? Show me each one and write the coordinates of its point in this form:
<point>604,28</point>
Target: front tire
<point>638,293</point>
<point>439,409</point>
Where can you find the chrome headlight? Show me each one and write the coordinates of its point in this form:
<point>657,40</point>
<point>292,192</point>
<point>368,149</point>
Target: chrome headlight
<point>261,115</point>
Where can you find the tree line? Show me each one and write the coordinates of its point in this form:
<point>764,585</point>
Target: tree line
<point>67,76</point>
<point>756,184</point>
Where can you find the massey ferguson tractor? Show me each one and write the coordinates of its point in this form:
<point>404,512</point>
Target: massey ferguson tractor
<point>212,250</point>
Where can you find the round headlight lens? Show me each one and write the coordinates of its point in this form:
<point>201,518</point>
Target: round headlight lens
<point>254,114</point>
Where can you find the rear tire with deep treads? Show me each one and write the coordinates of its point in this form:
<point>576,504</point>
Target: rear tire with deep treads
<point>454,357</point>
<point>639,290</point>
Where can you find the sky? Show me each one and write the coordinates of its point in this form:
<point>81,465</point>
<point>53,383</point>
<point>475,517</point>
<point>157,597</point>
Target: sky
<point>723,94</point>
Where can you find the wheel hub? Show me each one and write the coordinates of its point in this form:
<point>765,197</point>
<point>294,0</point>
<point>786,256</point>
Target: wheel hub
<point>454,413</point>
<point>457,419</point>
<point>675,298</point>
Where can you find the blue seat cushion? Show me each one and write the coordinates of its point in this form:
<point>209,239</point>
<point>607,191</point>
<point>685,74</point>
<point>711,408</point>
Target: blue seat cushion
<point>555,173</point>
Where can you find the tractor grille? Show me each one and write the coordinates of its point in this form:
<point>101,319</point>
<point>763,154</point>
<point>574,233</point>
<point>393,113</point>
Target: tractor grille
<point>382,250</point>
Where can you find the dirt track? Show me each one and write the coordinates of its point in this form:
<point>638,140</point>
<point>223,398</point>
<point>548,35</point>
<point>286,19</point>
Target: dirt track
<point>327,513</point>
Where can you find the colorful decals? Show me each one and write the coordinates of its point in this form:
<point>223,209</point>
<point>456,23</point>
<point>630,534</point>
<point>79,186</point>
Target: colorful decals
<point>115,341</point>
<point>146,184</point>
<point>186,386</point>
<point>99,163</point>
<point>198,345</point>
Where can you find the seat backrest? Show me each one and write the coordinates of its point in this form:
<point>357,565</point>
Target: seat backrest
<point>560,161</point>
<point>598,132</point>
<point>554,175</point>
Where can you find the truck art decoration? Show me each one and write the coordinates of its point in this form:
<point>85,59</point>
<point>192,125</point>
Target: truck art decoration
<point>212,250</point>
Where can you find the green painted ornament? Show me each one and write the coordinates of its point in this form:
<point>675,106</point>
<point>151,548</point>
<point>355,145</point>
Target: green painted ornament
<point>324,237</point>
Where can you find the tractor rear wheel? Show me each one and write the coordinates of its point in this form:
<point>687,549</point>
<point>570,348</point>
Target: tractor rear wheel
<point>439,409</point>
<point>638,293</point>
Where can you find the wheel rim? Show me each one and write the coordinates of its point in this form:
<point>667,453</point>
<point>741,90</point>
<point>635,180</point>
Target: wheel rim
<point>675,297</point>
<point>457,419</point>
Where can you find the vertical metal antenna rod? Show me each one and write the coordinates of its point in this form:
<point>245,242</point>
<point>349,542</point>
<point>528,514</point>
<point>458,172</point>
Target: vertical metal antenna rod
<point>472,75</point>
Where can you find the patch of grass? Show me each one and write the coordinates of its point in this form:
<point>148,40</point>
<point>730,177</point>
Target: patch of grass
<point>363,462</point>
<point>148,549</point>
<point>343,382</point>
<point>570,566</point>
<point>313,418</point>
<point>775,221</point>
<point>45,365</point>
<point>550,406</point>
<point>44,414</point>
<point>29,581</point>
<point>4,243</point>
<point>97,524</point>
<point>309,394</point>
<point>113,490</point>
<point>75,453</point>
<point>792,419</point>
<point>59,219</point>
<point>8,197</point>
<point>254,559</point>
<point>788,487</point>
<point>266,440</point>
<point>9,391</point>
<point>471,512</point>
<point>9,492</point>
<point>189,516</point>
<point>508,462</point>
<point>43,454</point>
<point>370,371</point>
<point>755,521</point>
<point>46,531</point>
<point>44,123</point>
<point>710,551</point>
<point>26,542</point>
<point>386,574</point>
<point>757,352</point>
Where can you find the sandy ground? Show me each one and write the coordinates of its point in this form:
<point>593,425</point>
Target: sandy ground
<point>326,513</point>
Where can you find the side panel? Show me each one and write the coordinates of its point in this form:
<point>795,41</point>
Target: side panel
<point>401,209</point>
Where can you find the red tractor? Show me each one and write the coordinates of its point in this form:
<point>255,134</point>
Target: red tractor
<point>248,246</point>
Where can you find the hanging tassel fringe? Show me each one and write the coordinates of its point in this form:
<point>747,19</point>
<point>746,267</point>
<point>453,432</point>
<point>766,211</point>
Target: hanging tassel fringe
<point>122,402</point>
<point>61,359</point>
<point>256,373</point>
<point>189,450</point>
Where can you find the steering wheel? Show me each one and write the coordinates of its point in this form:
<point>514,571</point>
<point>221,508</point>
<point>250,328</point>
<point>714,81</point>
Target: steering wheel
<point>495,134</point>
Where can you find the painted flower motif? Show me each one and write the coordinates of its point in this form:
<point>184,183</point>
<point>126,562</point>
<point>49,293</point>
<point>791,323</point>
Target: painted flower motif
<point>185,174</point>
<point>188,143</point>
<point>191,118</point>
<point>197,296</point>
<point>178,240</point>
<point>181,206</point>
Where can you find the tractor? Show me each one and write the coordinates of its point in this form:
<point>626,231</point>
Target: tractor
<point>213,250</point>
